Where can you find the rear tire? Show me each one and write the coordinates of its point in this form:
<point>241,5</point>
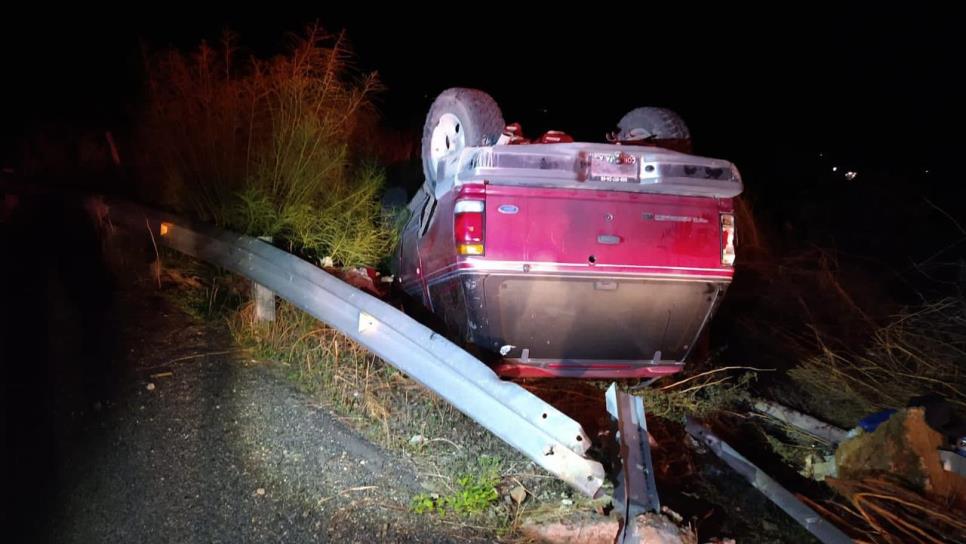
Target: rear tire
<point>649,123</point>
<point>457,119</point>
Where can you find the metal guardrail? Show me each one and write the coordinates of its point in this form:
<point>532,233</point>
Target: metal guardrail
<point>783,498</point>
<point>544,434</point>
<point>635,492</point>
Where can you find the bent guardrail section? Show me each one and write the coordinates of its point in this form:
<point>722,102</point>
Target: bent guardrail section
<point>544,434</point>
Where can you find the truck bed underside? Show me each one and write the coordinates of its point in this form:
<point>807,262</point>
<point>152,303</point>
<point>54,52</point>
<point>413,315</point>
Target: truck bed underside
<point>572,322</point>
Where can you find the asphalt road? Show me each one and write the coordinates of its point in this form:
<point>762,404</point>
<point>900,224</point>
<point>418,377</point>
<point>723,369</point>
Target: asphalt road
<point>125,419</point>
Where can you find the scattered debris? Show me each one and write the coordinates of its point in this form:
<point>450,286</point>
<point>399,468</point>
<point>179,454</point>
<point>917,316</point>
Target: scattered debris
<point>260,491</point>
<point>897,470</point>
<point>791,505</point>
<point>677,518</point>
<point>826,432</point>
<point>906,450</point>
<point>871,422</point>
<point>417,440</point>
<point>161,375</point>
<point>953,462</point>
<point>362,277</point>
<point>819,467</point>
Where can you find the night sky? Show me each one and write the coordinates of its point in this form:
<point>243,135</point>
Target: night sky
<point>874,88</point>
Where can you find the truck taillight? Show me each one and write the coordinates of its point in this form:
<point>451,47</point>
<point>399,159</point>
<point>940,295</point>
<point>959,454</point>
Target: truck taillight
<point>468,226</point>
<point>728,239</point>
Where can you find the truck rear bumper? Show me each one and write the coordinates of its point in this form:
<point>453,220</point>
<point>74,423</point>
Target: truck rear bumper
<point>592,369</point>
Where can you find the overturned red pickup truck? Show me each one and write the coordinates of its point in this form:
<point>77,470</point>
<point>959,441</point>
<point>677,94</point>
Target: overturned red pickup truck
<point>563,258</point>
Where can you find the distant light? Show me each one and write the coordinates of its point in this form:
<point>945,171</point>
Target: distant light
<point>850,175</point>
<point>835,168</point>
<point>926,171</point>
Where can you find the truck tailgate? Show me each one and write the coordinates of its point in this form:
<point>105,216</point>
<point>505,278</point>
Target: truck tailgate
<point>613,231</point>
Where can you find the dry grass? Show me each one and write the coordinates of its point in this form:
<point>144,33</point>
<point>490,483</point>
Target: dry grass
<point>388,407</point>
<point>880,511</point>
<point>922,350</point>
<point>700,393</point>
<point>265,146</point>
<point>327,363</point>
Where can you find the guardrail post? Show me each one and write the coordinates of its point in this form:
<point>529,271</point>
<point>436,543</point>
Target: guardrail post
<point>264,297</point>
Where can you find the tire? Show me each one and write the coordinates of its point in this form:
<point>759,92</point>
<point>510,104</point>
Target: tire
<point>649,123</point>
<point>458,118</point>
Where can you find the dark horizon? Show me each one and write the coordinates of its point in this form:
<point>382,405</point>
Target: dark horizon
<point>860,86</point>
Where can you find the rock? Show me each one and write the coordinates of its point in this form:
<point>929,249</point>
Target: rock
<point>579,532</point>
<point>150,387</point>
<point>655,528</point>
<point>417,440</point>
<point>518,494</point>
<point>260,491</point>
<point>652,528</point>
<point>905,449</point>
